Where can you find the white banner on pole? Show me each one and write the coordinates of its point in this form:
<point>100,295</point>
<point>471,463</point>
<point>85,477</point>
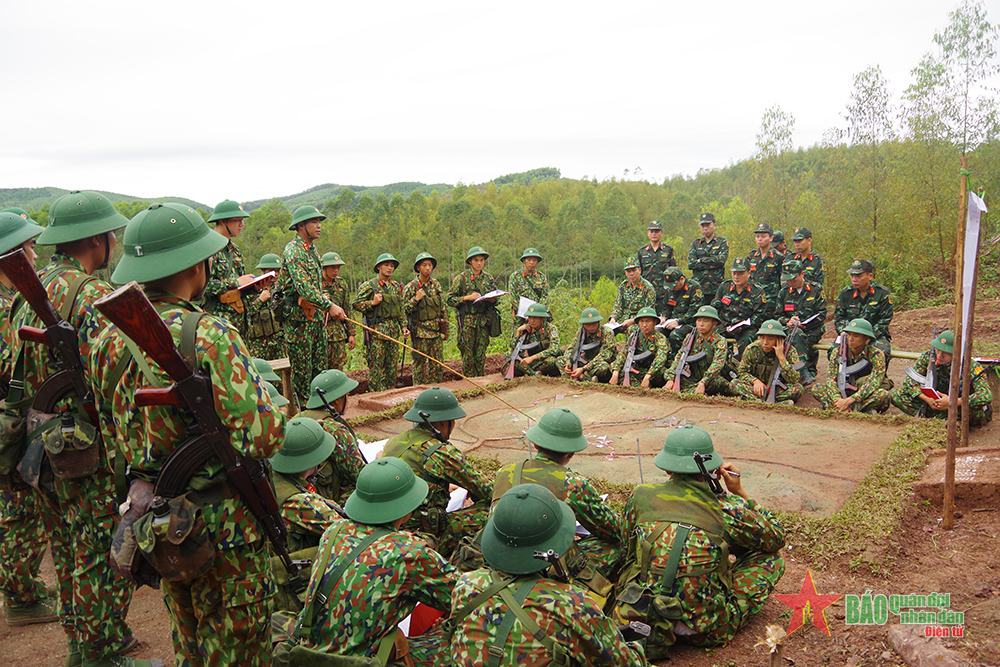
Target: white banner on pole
<point>976,207</point>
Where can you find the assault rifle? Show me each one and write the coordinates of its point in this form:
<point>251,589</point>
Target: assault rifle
<point>558,569</point>
<point>519,347</point>
<point>337,417</point>
<point>131,311</point>
<point>629,358</point>
<point>844,370</point>
<point>425,417</point>
<point>925,381</point>
<point>687,358</point>
<point>578,349</point>
<point>772,387</point>
<point>711,477</point>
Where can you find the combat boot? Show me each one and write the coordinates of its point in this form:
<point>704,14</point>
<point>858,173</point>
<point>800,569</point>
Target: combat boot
<point>45,610</point>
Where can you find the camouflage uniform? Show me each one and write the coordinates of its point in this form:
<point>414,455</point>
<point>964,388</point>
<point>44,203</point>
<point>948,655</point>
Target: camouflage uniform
<point>337,332</point>
<point>265,338</point>
<point>441,465</point>
<point>596,361</point>
<point>869,395</point>
<point>305,340</point>
<point>756,364</point>
<point>383,355</point>
<point>534,286</point>
<point>473,320</point>
<point>765,271</point>
<point>907,397</point>
<point>653,363</point>
<point>227,267</point>
<point>681,305</point>
<point>735,305</point>
<point>708,369</point>
<point>424,318</point>
<point>874,305</point>
<point>631,300</point>
<point>804,303</point>
<point>707,262</point>
<point>653,263</point>
<point>814,266</point>
<point>338,475</point>
<point>223,616</point>
<point>544,342</point>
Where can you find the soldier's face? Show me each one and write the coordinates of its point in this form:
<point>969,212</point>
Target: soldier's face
<point>803,246</point>
<point>385,269</point>
<point>477,263</point>
<point>861,281</point>
<point>797,281</point>
<point>646,325</point>
<point>763,240</point>
<point>425,268</point>
<point>633,275</point>
<point>535,322</point>
<point>769,342</point>
<point>708,229</point>
<point>234,226</point>
<point>29,250</point>
<point>856,341</point>
<point>654,235</point>
<point>312,228</point>
<point>943,358</point>
<point>331,272</point>
<point>591,327</point>
<point>530,263</point>
<point>705,325</point>
<point>740,278</point>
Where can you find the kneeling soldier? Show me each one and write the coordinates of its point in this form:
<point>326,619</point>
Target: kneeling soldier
<point>590,359</point>
<point>536,343</point>
<point>857,371</point>
<point>645,354</point>
<point>704,358</point>
<point>761,360</point>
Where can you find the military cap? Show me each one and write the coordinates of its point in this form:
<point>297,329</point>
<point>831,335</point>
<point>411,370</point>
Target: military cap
<point>227,209</point>
<point>531,252</point>
<point>708,311</point>
<point>386,490</point>
<point>861,266</point>
<point>681,445</point>
<point>275,395</point>
<point>474,251</point>
<point>333,384</point>
<point>801,233</point>
<point>384,257</point>
<point>706,219</point>
<point>790,269</point>
<point>306,445</point>
<point>654,225</point>
<point>779,237</point>
<point>861,326</point>
<point>631,263</point>
<point>537,310</point>
<point>305,214</point>
<point>944,341</point>
<point>559,430</point>
<point>439,404</point>
<point>18,211</point>
<point>263,366</point>
<point>269,261</point>
<point>80,215</point>
<point>771,328</point>
<point>646,312</point>
<point>15,230</point>
<point>671,275</point>
<point>421,257</point>
<point>527,520</point>
<point>331,259</point>
<point>763,228</point>
<point>590,315</point>
<point>740,264</point>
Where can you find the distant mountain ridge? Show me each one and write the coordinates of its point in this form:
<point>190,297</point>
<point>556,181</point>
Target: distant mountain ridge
<point>32,199</point>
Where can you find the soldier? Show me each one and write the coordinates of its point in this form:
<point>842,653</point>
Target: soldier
<point>778,242</point>
<point>765,263</point>
<point>649,350</point>
<point>864,373</point>
<point>654,259</point>
<point>811,261</point>
<point>705,375</point>
<point>737,301</point>
<point>759,362</point>
<point>423,303</point>
<point>911,399</point>
<point>370,573</point>
<point>707,258</point>
<point>634,294</point>
<point>265,338</point>
<point>500,611</point>
<point>223,297</point>
<point>380,301</point>
<point>301,286</point>
<point>597,350</point>
<point>475,320</point>
<point>802,304</point>
<point>339,335</point>
<point>869,301</point>
<point>426,449</point>
<point>540,351</point>
<point>684,299</point>
<point>221,617</point>
<point>680,535</point>
<point>529,283</point>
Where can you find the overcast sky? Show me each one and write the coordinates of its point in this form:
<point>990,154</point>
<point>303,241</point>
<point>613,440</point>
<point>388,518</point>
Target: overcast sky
<point>246,100</point>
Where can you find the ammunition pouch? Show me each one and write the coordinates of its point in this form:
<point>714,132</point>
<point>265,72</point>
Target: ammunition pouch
<point>443,326</point>
<point>288,599</point>
<point>175,542</point>
<point>494,316</point>
<point>71,455</point>
<point>639,603</point>
<point>12,442</point>
<point>468,555</point>
<point>263,324</point>
<point>433,521</point>
<point>126,559</point>
<point>232,299</point>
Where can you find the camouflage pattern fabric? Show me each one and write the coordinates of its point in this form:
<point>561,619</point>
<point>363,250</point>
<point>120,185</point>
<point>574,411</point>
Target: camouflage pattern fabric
<point>307,514</point>
<point>765,271</point>
<point>338,475</point>
<point>631,299</point>
<point>265,336</point>
<point>547,339</point>
<point>681,305</point>
<point>814,266</point>
<point>874,305</point>
<point>660,348</point>
<point>907,397</point>
<point>707,369</point>
<point>337,333</point>
<point>383,355</point>
<point>597,361</point>
<point>473,320</point>
<point>735,305</point>
<point>534,286</point>
<point>870,396</point>
<point>424,317</point>
<point>653,263</point>
<point>707,262</point>
<point>305,340</point>
<point>804,303</point>
<point>227,267</point>
<point>756,364</point>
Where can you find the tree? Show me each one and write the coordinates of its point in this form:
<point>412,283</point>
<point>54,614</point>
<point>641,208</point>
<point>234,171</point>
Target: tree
<point>774,185</point>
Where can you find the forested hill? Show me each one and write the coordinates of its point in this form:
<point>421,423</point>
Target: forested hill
<point>34,199</point>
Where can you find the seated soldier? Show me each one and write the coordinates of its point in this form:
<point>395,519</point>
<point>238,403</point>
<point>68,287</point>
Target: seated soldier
<point>761,360</point>
<point>742,307</point>
<point>514,613</point>
<point>426,449</point>
<point>706,358</point>
<point>684,296</point>
<point>596,348</point>
<point>539,340</point>
<point>369,574</point>
<point>645,353</point>
<point>857,371</point>
<point>936,362</point>
<point>696,596</point>
<point>803,305</point>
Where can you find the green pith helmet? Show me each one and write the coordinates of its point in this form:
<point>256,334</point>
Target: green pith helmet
<point>386,490</point>
<point>80,215</point>
<point>226,210</point>
<point>771,328</point>
<point>263,367</point>
<point>334,384</point>
<point>440,405</point>
<point>646,312</point>
<point>475,250</point>
<point>385,257</point>
<point>861,326</point>
<point>303,214</point>
<point>631,263</point>
<point>527,519</point>
<point>306,446</point>
<point>15,230</point>
<point>421,257</point>
<point>945,342</point>
<point>275,395</point>
<point>163,240</point>
<point>680,447</point>
<point>531,252</point>
<point>560,430</point>
<point>331,259</point>
<point>708,311</point>
<point>590,315</point>
<point>537,310</point>
<point>269,261</point>
<point>14,209</point>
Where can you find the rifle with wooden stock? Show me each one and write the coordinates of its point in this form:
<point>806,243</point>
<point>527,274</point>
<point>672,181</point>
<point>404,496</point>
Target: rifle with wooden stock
<point>772,386</point>
<point>687,358</point>
<point>844,370</point>
<point>925,381</point>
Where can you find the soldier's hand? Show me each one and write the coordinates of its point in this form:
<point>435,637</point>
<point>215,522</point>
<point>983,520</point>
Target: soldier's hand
<point>843,404</point>
<point>759,388</point>
<point>264,294</point>
<point>629,322</point>
<point>521,329</point>
<point>350,342</point>
<point>645,381</point>
<point>406,332</point>
<point>420,294</point>
<point>733,483</point>
<point>671,324</point>
<point>700,389</point>
<point>674,385</point>
<point>471,297</point>
<point>377,299</point>
<point>779,351</point>
<point>614,378</point>
<point>337,313</point>
<point>942,403</point>
<point>794,321</point>
<point>577,374</point>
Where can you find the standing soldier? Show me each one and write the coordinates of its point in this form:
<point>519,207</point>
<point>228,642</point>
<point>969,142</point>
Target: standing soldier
<point>529,283</point>
<point>474,319</point>
<point>649,350</point>
<point>595,347</point>
<point>765,263</point>
<point>778,242</point>
<point>707,258</point>
<point>863,367</point>
<point>760,361</point>
<point>423,303</point>
<point>634,294</point>
<point>301,286</point>
<point>869,301</point>
<point>684,297</point>
<point>654,259</point>
<point>811,261</point>
<point>339,335</point>
<point>222,296</point>
<point>337,476</point>
<point>705,375</point>
<point>265,338</point>
<point>800,302</point>
<point>737,301</point>
<point>380,302</point>
<point>540,352</point>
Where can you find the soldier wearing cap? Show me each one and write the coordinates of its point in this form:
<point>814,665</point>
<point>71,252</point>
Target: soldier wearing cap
<point>634,293</point>
<point>370,573</point>
<point>529,283</point>
<point>737,301</point>
<point>707,258</point>
<point>339,335</point>
<point>474,319</point>
<point>223,297</point>
<point>514,612</point>
<point>761,359</point>
<point>654,259</point>
<point>911,399</point>
<point>650,352</point>
<point>540,349</point>
<point>596,348</point>
<point>866,300</point>
<point>798,302</point>
<point>265,337</point>
<point>423,303</point>
<point>380,300</point>
<point>301,285</point>
<point>778,242</point>
<point>697,596</point>
<point>684,297</point>
<point>426,449</point>
<point>765,262</point>
<point>704,372</point>
<point>812,263</point>
<point>864,366</point>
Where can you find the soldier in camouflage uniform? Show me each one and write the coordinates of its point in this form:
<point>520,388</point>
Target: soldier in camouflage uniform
<point>800,302</point>
<point>597,350</point>
<point>440,463</point>
<point>265,338</point>
<point>705,600</point>
<point>869,301</point>
<point>423,303</point>
<point>223,616</point>
<point>765,263</point>
<point>707,258</point>
<point>473,318</point>
<point>759,362</point>
<point>684,299</point>
<point>223,297</point>
<point>380,300</point>
<point>540,351</point>
<point>634,293</point>
<point>651,351</point>
<point>814,267</point>
<point>301,287</point>
<point>705,375</point>
<point>911,399</point>
<point>654,259</point>
<point>339,335</point>
<point>778,242</point>
<point>864,389</point>
<point>737,301</point>
<point>497,610</point>
<point>529,283</point>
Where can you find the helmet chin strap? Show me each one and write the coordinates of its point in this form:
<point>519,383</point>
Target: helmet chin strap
<point>107,253</point>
